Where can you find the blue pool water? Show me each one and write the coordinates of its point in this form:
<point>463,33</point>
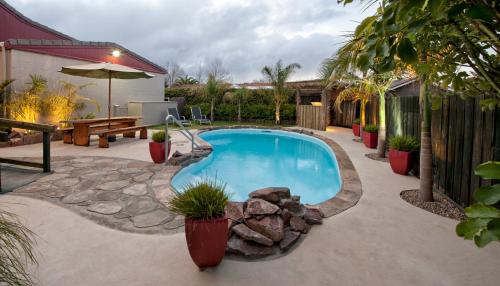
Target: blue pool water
<point>250,159</point>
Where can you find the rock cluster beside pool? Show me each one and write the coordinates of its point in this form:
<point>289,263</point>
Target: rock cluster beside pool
<point>268,223</point>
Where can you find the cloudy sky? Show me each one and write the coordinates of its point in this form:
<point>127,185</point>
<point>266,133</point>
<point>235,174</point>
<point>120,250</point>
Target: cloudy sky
<point>244,34</point>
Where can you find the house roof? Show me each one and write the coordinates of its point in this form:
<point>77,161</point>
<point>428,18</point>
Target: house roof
<point>22,33</point>
<point>401,83</point>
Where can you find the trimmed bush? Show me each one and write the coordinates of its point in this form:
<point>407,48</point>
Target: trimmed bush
<point>404,143</point>
<point>371,128</point>
<point>159,136</point>
<point>356,121</point>
<point>205,199</point>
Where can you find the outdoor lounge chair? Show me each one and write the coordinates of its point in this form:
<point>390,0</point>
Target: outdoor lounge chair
<point>197,116</point>
<point>173,111</point>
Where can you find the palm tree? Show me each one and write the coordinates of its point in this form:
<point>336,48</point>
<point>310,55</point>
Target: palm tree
<point>240,96</point>
<point>213,89</point>
<point>16,250</point>
<point>277,76</point>
<point>3,86</point>
<point>186,80</point>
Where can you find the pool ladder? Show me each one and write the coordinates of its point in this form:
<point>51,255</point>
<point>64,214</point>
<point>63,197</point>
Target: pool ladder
<point>183,131</point>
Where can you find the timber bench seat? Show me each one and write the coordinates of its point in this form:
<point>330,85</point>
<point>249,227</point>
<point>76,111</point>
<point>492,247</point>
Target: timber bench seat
<point>67,134</point>
<point>126,131</point>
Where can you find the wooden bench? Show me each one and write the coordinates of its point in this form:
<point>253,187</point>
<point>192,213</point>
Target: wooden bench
<point>126,131</point>
<point>94,130</point>
<point>67,134</point>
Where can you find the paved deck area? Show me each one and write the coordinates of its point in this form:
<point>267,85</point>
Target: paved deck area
<point>381,241</point>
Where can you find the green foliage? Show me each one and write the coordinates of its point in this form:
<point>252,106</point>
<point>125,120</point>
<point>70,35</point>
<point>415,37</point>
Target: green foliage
<point>187,80</point>
<point>371,128</point>
<point>159,136</point>
<point>16,251</point>
<point>248,111</point>
<point>483,218</point>
<point>404,143</point>
<point>26,106</point>
<point>202,200</point>
<point>356,121</point>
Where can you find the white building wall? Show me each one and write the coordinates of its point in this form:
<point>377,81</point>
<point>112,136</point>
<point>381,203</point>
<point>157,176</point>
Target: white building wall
<point>25,63</point>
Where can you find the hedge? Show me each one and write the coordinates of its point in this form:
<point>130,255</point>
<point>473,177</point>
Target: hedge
<point>248,111</point>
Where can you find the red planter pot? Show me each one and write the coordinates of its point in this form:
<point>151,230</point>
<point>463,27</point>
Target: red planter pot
<point>206,240</point>
<point>401,161</point>
<point>157,151</point>
<point>370,139</point>
<point>355,129</point>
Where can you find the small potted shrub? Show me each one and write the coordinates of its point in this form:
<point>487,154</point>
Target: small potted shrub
<point>370,136</point>
<point>157,147</point>
<point>355,127</point>
<point>206,225</point>
<point>401,150</point>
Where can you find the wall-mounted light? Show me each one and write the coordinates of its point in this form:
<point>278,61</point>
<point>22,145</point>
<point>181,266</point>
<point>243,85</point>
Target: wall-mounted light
<point>116,53</point>
<point>316,103</point>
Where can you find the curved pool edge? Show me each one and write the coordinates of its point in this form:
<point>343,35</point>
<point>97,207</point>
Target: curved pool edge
<point>351,189</point>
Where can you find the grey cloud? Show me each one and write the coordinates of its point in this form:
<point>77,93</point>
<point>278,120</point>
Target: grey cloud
<point>245,35</point>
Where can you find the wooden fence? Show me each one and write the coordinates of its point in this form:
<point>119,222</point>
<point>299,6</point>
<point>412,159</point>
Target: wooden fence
<point>463,136</point>
<point>309,116</point>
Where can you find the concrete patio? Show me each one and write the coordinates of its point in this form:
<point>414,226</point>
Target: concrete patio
<point>381,241</point>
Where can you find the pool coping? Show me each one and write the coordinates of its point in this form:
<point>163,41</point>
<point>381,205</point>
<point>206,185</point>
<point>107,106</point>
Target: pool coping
<point>351,189</point>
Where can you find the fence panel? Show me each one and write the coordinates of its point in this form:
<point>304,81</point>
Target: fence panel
<point>309,117</point>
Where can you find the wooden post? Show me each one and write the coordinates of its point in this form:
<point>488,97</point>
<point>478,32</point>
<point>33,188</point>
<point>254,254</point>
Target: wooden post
<point>46,152</point>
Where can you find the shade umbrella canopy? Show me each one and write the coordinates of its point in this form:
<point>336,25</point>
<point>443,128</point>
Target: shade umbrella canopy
<point>105,71</point>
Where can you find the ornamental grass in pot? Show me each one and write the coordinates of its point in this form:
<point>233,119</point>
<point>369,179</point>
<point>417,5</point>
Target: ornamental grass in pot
<point>370,136</point>
<point>206,225</point>
<point>157,147</point>
<point>401,153</point>
<point>355,127</point>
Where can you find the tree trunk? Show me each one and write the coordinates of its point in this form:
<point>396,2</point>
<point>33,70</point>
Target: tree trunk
<point>212,109</point>
<point>425,146</point>
<point>381,128</point>
<point>239,111</point>
<point>277,114</point>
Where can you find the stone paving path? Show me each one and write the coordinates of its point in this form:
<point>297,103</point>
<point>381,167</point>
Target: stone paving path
<point>119,193</point>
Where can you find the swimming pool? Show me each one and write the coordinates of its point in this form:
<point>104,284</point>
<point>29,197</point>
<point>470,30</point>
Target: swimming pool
<point>250,159</point>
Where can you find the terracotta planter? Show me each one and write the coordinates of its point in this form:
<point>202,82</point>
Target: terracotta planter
<point>401,161</point>
<point>206,240</point>
<point>355,129</point>
<point>157,151</point>
<point>370,139</point>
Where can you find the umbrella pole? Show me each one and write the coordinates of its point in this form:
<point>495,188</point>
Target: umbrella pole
<point>109,101</point>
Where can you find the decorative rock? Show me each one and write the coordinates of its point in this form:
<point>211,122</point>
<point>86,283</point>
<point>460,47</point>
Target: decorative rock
<point>260,207</point>
<point>236,245</point>
<point>270,226</point>
<point>296,198</point>
<point>290,204</point>
<point>113,185</point>
<point>55,193</point>
<point>130,171</point>
<point>137,206</point>
<point>105,208</point>
<point>78,197</point>
<point>53,177</point>
<point>271,194</point>
<point>313,216</point>
<point>138,164</point>
<point>286,215</point>
<point>298,224</point>
<point>246,233</point>
<point>143,177</point>
<point>177,222</point>
<point>136,190</point>
<point>289,239</point>
<point>67,182</point>
<point>160,182</point>
<point>234,211</point>
<point>107,196</point>
<point>153,218</point>
<point>35,187</point>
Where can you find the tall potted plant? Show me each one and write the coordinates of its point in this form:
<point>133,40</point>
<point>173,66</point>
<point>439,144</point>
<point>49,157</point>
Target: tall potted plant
<point>370,136</point>
<point>355,127</point>
<point>206,225</point>
<point>401,150</point>
<point>157,147</point>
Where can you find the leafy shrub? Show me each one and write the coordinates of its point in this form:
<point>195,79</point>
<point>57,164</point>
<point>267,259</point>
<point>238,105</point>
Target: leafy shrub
<point>483,218</point>
<point>205,199</point>
<point>403,143</point>
<point>356,121</point>
<point>371,128</point>
<point>159,137</point>
<point>248,111</point>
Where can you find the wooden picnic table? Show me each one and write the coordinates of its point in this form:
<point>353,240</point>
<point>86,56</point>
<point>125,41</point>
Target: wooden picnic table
<point>83,128</point>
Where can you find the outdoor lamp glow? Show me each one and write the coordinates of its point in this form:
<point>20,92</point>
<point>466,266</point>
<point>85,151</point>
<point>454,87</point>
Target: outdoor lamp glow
<point>116,53</point>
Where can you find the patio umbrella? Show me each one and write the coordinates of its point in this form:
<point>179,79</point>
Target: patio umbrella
<point>105,71</point>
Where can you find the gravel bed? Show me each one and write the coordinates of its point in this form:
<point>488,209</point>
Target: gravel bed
<point>441,205</point>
